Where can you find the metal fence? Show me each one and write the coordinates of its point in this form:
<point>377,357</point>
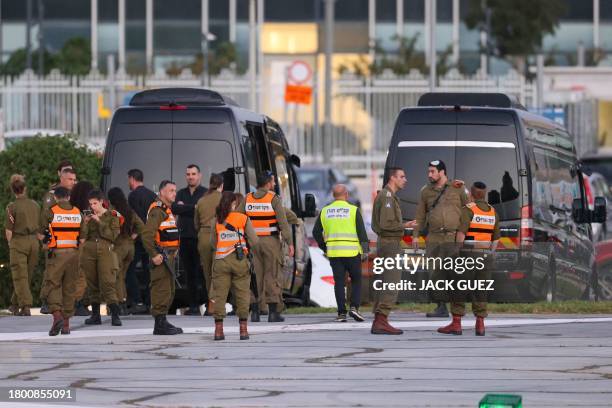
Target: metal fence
<point>363,109</point>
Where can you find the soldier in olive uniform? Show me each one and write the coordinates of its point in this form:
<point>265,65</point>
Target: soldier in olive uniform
<point>438,212</point>
<point>22,223</point>
<point>131,227</point>
<point>479,233</point>
<point>99,231</point>
<point>203,216</point>
<point>266,211</point>
<point>160,236</point>
<point>388,224</point>
<point>230,267</point>
<point>67,179</point>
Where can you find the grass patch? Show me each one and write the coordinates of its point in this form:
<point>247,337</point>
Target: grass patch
<point>561,307</point>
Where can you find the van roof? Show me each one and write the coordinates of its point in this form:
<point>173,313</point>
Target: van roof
<point>490,99</point>
<point>181,96</point>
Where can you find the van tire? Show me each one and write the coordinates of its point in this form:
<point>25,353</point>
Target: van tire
<point>551,281</point>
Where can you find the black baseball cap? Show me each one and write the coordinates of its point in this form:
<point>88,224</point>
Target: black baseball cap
<point>438,164</point>
<point>479,185</point>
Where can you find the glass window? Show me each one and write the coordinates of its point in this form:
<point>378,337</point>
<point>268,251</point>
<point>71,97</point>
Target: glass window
<point>150,156</point>
<point>251,163</point>
<point>282,180</point>
<point>213,156</point>
<point>541,189</point>
<point>312,179</point>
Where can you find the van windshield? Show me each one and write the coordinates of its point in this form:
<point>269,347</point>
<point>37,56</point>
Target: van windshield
<point>475,155</point>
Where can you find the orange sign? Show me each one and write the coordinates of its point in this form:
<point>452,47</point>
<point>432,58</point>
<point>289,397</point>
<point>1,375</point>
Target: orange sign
<point>298,94</point>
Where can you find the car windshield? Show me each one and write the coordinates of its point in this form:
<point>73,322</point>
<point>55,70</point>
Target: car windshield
<point>312,179</point>
<point>601,166</point>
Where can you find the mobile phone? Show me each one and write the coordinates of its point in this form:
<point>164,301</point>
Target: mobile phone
<point>87,213</point>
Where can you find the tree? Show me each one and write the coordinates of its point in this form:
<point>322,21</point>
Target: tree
<point>75,57</point>
<point>516,29</point>
<point>36,158</point>
<point>16,63</point>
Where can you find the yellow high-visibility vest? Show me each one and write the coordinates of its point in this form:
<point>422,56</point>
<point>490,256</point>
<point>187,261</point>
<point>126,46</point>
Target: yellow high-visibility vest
<point>340,229</point>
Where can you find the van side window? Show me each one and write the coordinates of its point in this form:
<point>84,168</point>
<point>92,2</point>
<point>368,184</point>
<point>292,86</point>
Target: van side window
<point>282,179</point>
<point>250,162</point>
<point>542,198</point>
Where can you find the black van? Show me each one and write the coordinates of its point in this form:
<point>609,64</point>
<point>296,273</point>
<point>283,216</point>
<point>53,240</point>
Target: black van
<point>534,182</point>
<point>164,130</point>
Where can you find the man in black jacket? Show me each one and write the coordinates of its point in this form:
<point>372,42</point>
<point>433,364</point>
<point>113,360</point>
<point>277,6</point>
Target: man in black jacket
<point>140,199</point>
<point>186,200</point>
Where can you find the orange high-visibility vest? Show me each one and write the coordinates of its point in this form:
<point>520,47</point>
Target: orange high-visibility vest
<point>226,239</point>
<point>65,227</point>
<point>121,217</point>
<point>482,226</point>
<point>167,234</point>
<point>262,215</point>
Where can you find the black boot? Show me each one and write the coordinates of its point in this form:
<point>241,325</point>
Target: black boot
<point>171,326</point>
<point>440,311</point>
<point>44,307</point>
<point>95,317</point>
<point>123,309</point>
<point>115,320</point>
<point>80,309</point>
<point>162,327</point>
<point>255,313</point>
<point>273,315</point>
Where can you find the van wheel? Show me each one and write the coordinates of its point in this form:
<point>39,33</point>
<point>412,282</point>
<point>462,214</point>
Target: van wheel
<point>551,282</point>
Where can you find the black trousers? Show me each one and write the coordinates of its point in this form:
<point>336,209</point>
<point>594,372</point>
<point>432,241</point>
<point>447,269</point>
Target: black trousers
<point>133,282</point>
<point>190,258</point>
<point>340,266</point>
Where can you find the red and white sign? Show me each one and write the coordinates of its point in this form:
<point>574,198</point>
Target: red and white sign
<point>296,89</point>
<point>299,73</point>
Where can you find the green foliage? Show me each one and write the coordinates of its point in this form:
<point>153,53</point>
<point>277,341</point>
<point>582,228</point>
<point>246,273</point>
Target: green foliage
<point>516,30</point>
<point>224,56</point>
<point>16,63</point>
<point>36,158</point>
<point>75,57</point>
<point>400,63</point>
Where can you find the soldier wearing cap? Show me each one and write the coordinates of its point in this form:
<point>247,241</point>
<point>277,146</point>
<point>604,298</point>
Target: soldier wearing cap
<point>438,216</point>
<point>479,233</point>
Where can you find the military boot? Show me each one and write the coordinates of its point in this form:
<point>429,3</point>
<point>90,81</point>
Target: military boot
<point>24,311</point>
<point>57,324</point>
<point>44,308</point>
<point>95,317</point>
<point>480,327</point>
<point>244,334</point>
<point>114,309</point>
<point>255,317</point>
<point>14,309</point>
<point>273,315</point>
<point>66,327</point>
<point>439,311</point>
<point>172,327</point>
<point>219,330</point>
<point>453,328</point>
<point>163,328</point>
<point>381,325</point>
<point>80,309</point>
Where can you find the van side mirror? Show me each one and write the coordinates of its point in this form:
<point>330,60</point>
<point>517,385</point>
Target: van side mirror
<point>580,215</point>
<point>599,210</point>
<point>310,206</point>
<point>295,160</point>
<point>229,179</point>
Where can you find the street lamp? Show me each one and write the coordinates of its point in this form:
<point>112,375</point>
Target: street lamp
<point>206,38</point>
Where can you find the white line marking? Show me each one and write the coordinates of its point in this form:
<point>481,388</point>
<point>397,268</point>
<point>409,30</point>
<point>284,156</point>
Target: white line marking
<point>232,327</point>
<point>456,143</point>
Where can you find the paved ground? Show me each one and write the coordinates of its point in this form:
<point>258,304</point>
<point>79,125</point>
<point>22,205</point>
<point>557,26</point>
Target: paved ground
<point>313,362</point>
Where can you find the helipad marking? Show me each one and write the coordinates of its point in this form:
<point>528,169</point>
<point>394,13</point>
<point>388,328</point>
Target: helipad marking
<point>232,327</point>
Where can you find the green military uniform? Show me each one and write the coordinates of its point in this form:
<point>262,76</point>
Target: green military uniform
<point>48,201</point>
<point>479,298</point>
<point>162,282</point>
<point>268,257</point>
<point>231,273</point>
<point>442,224</point>
<point>124,251</point>
<point>203,218</point>
<point>387,224</point>
<point>98,260</point>
<point>62,271</point>
<point>22,219</point>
